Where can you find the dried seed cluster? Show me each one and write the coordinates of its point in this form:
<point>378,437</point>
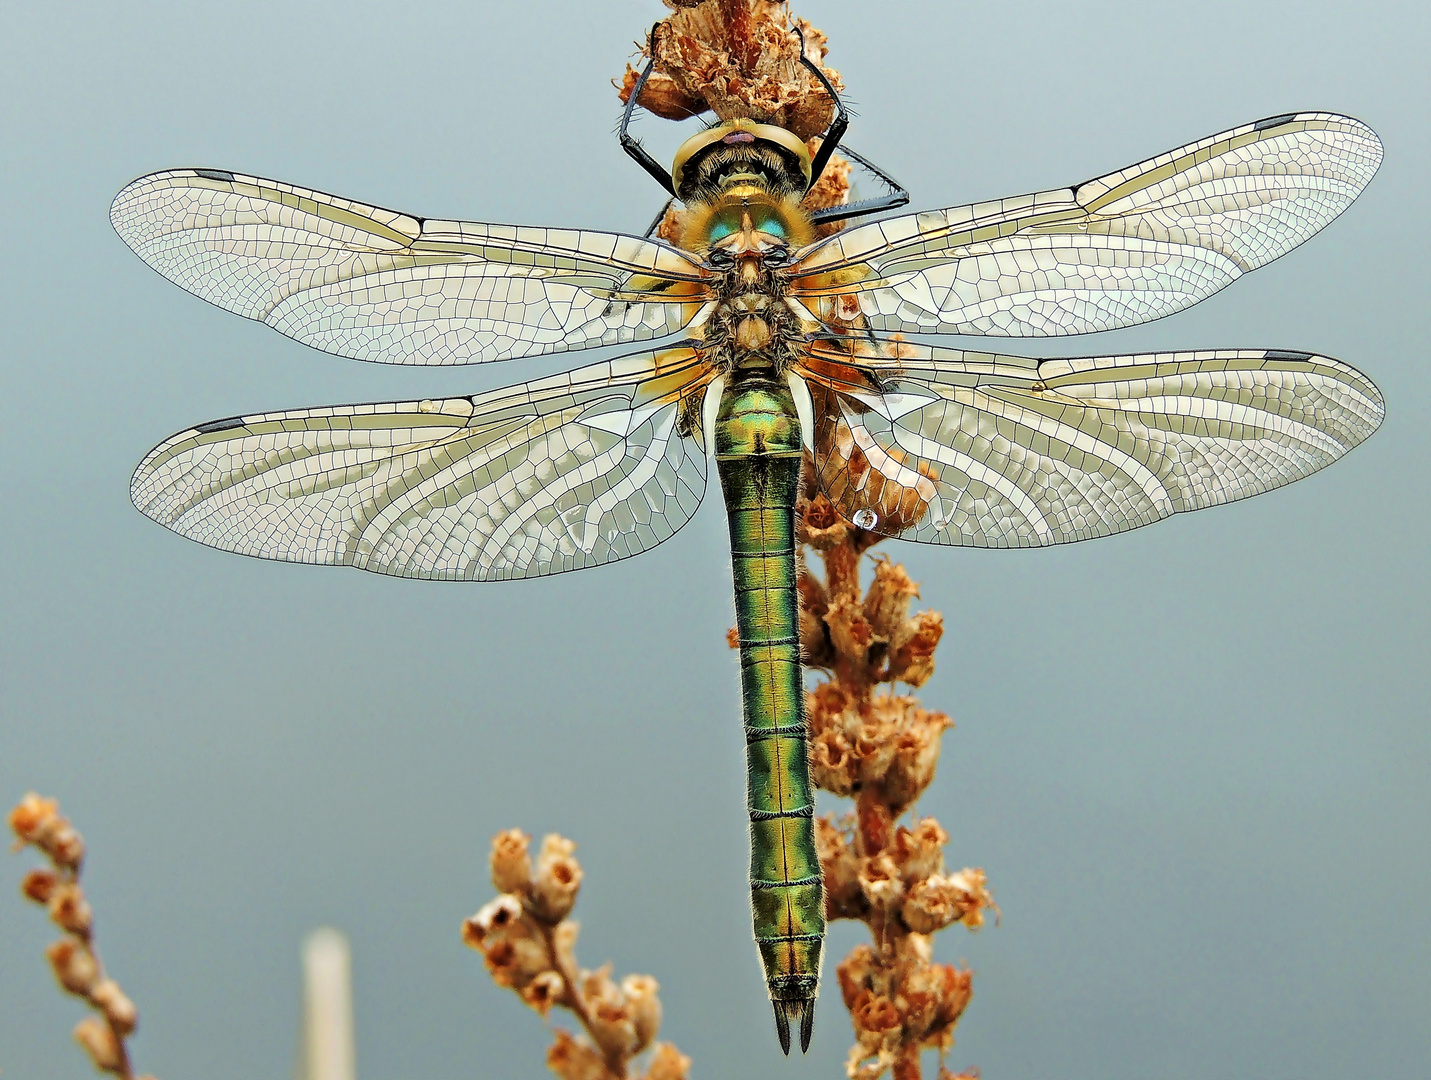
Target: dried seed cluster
<point>900,1001</point>
<point>529,945</point>
<point>737,58</point>
<point>38,823</point>
<point>881,750</point>
<point>861,741</point>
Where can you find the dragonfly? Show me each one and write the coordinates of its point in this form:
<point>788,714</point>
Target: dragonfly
<point>754,343</point>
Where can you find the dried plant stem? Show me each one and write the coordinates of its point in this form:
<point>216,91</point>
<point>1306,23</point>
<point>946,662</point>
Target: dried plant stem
<point>38,823</point>
<point>573,1001</point>
<point>881,750</point>
<point>529,945</point>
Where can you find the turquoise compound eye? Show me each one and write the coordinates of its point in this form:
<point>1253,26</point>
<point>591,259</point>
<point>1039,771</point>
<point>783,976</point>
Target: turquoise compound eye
<point>773,226</point>
<point>720,230</point>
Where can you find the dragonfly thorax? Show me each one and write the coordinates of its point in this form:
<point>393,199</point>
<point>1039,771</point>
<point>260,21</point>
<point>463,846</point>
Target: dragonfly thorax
<point>752,325</point>
<point>742,183</point>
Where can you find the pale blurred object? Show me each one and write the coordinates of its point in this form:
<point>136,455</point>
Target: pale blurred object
<point>327,1051</point>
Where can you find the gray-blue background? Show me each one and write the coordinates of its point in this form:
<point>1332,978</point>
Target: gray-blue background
<point>1194,760</point>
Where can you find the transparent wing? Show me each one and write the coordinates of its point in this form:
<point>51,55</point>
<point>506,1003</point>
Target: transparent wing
<point>951,447</point>
<point>1126,248</point>
<point>559,474</point>
<point>377,285</point>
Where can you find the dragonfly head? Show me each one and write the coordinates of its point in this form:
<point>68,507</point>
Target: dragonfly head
<point>737,153</point>
<point>747,227</point>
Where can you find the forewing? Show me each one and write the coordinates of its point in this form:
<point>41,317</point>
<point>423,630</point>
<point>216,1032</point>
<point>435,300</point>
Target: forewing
<point>558,474</point>
<point>950,447</point>
<point>1126,248</point>
<point>377,285</point>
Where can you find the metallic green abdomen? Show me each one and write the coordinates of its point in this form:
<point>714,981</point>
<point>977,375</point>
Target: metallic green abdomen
<point>757,439</point>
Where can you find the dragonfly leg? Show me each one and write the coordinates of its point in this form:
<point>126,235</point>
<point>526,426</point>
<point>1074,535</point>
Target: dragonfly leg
<point>838,126</point>
<point>896,198</point>
<point>629,142</point>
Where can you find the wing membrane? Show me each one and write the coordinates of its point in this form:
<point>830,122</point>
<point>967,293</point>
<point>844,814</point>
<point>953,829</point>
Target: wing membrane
<point>559,474</point>
<point>951,447</point>
<point>378,285</point>
<point>1126,248</point>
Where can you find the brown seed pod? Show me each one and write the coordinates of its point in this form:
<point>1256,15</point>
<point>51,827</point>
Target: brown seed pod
<point>511,862</point>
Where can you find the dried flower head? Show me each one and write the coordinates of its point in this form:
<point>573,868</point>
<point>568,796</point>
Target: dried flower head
<point>668,1063</point>
<point>70,911</point>
<point>75,966</point>
<point>511,862</point>
<point>545,990</point>
<point>116,1006</point>
<point>576,1059</point>
<point>104,1047</point>
<point>529,945</point>
<point>557,880</point>
<point>640,993</point>
<point>39,886</point>
<point>737,58</point>
<point>939,901</point>
<point>516,947</point>
<point>38,822</point>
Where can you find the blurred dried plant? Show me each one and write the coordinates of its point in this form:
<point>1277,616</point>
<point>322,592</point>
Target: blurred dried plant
<point>38,823</point>
<point>529,945</point>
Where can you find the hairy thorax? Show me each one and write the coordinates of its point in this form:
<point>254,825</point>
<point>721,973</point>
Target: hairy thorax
<point>751,326</point>
<point>746,238</point>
